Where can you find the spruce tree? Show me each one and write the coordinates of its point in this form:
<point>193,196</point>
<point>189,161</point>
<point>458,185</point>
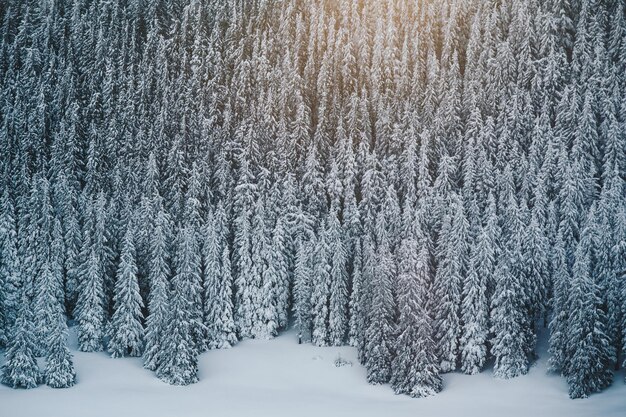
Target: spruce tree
<point>338,313</point>
<point>179,357</point>
<point>452,265</point>
<point>379,332</point>
<point>559,325</point>
<point>302,289</point>
<point>126,330</point>
<point>46,306</point>
<point>588,348</point>
<point>218,307</point>
<point>159,276</point>
<point>9,274</point>
<point>59,371</point>
<point>20,369</point>
<point>475,304</point>
<point>414,370</point>
<point>243,208</point>
<point>320,295</point>
<point>90,312</point>
<point>356,317</point>
<point>507,323</point>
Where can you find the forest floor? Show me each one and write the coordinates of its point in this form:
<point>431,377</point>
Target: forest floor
<point>281,378</point>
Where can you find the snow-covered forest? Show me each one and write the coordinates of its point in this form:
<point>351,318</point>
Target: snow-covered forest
<point>429,181</point>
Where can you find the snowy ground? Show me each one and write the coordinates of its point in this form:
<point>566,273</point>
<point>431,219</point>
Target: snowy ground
<point>281,378</point>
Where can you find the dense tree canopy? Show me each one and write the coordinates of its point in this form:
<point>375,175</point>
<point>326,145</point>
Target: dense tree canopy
<point>429,181</point>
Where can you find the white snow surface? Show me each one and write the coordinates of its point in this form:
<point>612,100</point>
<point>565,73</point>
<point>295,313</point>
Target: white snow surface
<point>281,378</point>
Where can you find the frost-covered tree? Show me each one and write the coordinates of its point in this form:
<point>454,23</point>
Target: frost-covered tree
<point>338,308</point>
<point>475,304</point>
<point>588,348</point>
<point>379,332</point>
<point>243,208</point>
<point>218,307</point>
<point>414,370</point>
<point>559,325</point>
<point>126,330</point>
<point>20,369</point>
<point>158,301</point>
<point>507,323</point>
<point>452,266</point>
<point>90,312</point>
<point>302,289</point>
<point>9,272</point>
<point>356,316</point>
<point>46,306</point>
<point>59,372</point>
<point>179,356</point>
<point>320,293</point>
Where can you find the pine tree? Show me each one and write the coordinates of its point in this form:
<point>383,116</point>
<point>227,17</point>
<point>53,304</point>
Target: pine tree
<point>90,312</point>
<point>179,361</point>
<point>356,320</point>
<point>475,305</point>
<point>378,341</point>
<point>159,284</point>
<point>20,369</point>
<point>320,295</point>
<point>227,332</point>
<point>46,306</point>
<point>245,192</point>
<point>59,371</point>
<point>126,330</point>
<point>9,274</point>
<point>588,346</point>
<point>218,310</point>
<point>338,313</point>
<point>302,289</point>
<point>452,265</point>
<point>559,324</point>
<point>414,370</point>
<point>281,260</point>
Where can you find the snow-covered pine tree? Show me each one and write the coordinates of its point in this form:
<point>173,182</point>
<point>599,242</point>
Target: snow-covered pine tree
<point>415,368</point>
<point>280,260</point>
<point>507,322</point>
<point>509,314</point>
<point>89,311</point>
<point>126,330</point>
<point>379,331</point>
<point>243,207</point>
<point>226,336</point>
<point>560,310</point>
<point>188,262</point>
<point>218,307</point>
<point>212,270</point>
<point>57,259</point>
<point>20,369</point>
<point>452,265</point>
<point>320,294</point>
<point>158,278</point>
<point>263,284</point>
<point>619,266</point>
<point>9,274</point>
<point>588,348</point>
<point>46,305</point>
<point>59,372</point>
<point>338,309</point>
<point>179,356</point>
<point>534,275</point>
<point>475,304</point>
<point>302,289</point>
<point>356,316</point>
